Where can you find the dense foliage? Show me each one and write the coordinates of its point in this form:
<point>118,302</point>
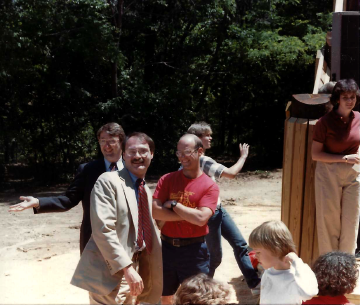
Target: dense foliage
<point>69,66</point>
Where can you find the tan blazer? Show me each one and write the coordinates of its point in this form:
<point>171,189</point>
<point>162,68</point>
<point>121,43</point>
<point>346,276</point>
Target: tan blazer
<point>114,222</point>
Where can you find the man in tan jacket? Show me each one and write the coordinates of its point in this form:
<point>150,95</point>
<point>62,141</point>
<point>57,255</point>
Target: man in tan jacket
<point>122,260</point>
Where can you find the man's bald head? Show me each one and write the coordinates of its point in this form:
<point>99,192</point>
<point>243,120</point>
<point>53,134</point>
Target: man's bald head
<point>188,138</point>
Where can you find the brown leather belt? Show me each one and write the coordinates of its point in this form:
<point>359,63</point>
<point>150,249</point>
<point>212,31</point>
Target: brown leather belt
<point>136,256</point>
<point>181,242</point>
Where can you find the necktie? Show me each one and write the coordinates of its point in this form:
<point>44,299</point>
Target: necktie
<point>144,229</point>
<point>113,166</point>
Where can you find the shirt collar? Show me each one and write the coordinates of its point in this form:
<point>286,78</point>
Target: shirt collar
<point>108,163</point>
<point>338,116</point>
<point>133,177</point>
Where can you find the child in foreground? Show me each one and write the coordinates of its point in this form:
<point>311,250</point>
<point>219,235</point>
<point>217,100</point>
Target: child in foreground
<point>287,279</point>
<point>202,289</point>
<point>336,273</point>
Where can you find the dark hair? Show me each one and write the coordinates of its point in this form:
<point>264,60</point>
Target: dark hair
<point>202,289</point>
<point>199,129</point>
<point>336,273</point>
<point>327,88</point>
<point>113,129</point>
<point>141,136</point>
<point>344,85</point>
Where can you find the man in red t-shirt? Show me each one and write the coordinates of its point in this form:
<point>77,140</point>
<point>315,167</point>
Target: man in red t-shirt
<point>185,200</point>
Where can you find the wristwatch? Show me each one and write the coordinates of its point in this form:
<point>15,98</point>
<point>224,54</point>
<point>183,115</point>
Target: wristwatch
<point>173,204</point>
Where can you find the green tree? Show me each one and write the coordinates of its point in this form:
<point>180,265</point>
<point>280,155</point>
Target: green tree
<point>69,66</point>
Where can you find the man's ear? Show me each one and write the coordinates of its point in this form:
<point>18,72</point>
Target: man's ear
<point>200,151</point>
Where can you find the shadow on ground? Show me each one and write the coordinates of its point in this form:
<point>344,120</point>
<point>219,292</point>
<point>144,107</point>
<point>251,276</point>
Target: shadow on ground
<point>243,293</point>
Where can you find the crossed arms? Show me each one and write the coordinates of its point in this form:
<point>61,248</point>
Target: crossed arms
<point>180,212</point>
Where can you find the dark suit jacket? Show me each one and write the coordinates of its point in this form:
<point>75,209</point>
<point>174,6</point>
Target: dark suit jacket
<point>79,190</point>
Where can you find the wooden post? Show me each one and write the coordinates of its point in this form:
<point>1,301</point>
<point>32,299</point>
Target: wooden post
<point>297,181</point>
<point>287,169</point>
<point>298,192</point>
<point>309,212</point>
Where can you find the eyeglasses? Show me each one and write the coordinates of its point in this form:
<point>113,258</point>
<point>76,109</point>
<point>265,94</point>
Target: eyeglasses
<point>185,153</point>
<point>142,152</point>
<point>110,142</point>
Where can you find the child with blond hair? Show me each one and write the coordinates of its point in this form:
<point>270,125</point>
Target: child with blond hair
<point>287,279</point>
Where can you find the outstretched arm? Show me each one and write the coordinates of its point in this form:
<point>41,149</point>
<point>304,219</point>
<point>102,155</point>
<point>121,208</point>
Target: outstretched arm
<point>232,171</point>
<point>63,203</point>
<point>27,203</point>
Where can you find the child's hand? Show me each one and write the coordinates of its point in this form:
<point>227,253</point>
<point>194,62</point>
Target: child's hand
<point>290,257</point>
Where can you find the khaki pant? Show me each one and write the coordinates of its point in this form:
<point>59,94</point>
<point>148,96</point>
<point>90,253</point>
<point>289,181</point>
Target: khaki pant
<point>337,191</point>
<point>120,294</point>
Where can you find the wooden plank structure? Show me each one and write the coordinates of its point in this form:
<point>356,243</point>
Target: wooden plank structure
<point>298,197</point>
<point>298,209</point>
<point>322,71</point>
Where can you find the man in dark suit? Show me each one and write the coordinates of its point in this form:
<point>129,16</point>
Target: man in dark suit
<point>110,137</point>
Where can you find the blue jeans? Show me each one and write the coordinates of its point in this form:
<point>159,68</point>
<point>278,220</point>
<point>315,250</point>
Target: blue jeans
<point>179,263</point>
<point>219,224</point>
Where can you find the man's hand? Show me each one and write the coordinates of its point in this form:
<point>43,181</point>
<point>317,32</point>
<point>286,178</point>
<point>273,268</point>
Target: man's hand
<point>27,203</point>
<point>244,150</point>
<point>353,159</point>
<point>167,204</point>
<point>134,280</point>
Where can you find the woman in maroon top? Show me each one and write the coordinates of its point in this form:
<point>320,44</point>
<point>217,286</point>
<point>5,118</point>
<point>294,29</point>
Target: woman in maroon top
<point>337,182</point>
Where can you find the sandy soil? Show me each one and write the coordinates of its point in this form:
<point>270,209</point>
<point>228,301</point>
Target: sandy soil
<point>39,253</point>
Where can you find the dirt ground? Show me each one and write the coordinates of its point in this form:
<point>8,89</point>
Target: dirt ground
<point>39,253</point>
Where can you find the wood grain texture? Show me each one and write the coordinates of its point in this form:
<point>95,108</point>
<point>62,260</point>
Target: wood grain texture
<point>287,169</point>
<point>309,212</point>
<point>297,181</point>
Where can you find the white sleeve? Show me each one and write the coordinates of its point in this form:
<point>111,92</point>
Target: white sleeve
<point>305,278</point>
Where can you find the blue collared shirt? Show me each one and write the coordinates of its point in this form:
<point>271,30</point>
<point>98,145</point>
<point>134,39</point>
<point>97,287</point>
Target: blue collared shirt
<point>107,164</point>
<point>136,187</point>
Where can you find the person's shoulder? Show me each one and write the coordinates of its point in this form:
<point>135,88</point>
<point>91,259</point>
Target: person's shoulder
<point>205,179</point>
<point>109,177</point>
<point>207,159</point>
<point>326,121</point>
<point>171,175</point>
<point>98,163</point>
<point>326,117</point>
<point>356,115</point>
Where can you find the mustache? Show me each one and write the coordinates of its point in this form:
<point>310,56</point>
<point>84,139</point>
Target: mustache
<point>137,160</point>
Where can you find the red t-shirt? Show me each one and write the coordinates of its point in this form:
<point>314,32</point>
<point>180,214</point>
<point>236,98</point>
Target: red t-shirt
<point>193,193</point>
<point>337,136</point>
<point>325,299</point>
